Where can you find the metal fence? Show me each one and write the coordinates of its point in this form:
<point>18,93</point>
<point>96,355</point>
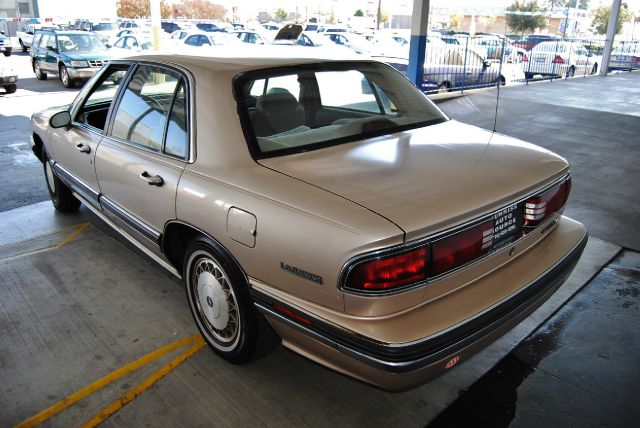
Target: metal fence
<point>457,63</point>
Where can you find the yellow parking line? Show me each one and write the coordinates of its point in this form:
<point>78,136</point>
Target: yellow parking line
<point>143,386</point>
<point>79,229</point>
<point>106,380</point>
<point>73,235</point>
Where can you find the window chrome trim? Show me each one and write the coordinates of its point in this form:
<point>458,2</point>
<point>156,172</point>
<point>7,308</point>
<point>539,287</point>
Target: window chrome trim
<point>407,246</point>
<point>189,81</point>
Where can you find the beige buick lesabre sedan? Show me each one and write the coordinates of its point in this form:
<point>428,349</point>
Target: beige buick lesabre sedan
<point>328,204</point>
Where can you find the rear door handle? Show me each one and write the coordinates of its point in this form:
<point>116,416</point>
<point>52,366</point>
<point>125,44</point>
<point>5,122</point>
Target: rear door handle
<point>83,148</point>
<point>153,180</point>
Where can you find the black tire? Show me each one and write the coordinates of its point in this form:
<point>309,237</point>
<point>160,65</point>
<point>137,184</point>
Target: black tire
<point>40,75</point>
<point>66,80</point>
<point>443,87</point>
<point>22,46</point>
<point>219,299</point>
<point>594,69</point>
<point>61,196</point>
<point>528,76</point>
<point>11,88</point>
<point>7,53</point>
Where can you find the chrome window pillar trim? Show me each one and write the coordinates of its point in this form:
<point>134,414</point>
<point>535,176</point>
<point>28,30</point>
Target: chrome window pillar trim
<point>381,355</point>
<point>191,100</point>
<point>141,227</point>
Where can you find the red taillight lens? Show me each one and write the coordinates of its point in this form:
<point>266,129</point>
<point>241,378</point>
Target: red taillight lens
<point>558,60</point>
<point>539,208</point>
<point>461,248</point>
<point>525,58</point>
<point>390,272</point>
<point>636,59</point>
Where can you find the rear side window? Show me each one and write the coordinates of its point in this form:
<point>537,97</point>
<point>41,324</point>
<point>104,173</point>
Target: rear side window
<point>36,39</point>
<point>152,111</point>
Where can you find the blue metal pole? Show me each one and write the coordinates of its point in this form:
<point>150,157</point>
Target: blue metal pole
<point>418,46</point>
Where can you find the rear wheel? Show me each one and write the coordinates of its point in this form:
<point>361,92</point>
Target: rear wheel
<point>10,88</point>
<point>7,53</point>
<point>67,81</point>
<point>22,46</point>
<point>40,75</point>
<point>61,196</point>
<point>443,87</point>
<point>218,295</point>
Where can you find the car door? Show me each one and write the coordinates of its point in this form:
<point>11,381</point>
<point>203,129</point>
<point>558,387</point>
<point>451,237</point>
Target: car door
<point>75,152</point>
<point>48,55</point>
<point>142,157</point>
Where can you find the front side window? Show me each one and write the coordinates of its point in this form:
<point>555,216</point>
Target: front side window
<point>95,108</point>
<point>153,105</point>
<point>312,106</point>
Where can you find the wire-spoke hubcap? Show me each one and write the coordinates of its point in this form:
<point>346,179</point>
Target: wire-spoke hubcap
<point>215,300</point>
<point>50,181</point>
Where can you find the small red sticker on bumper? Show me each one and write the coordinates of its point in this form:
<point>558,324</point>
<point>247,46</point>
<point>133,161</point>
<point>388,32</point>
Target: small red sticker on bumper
<point>452,362</point>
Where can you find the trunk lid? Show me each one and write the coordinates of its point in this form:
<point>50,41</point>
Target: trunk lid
<point>428,179</point>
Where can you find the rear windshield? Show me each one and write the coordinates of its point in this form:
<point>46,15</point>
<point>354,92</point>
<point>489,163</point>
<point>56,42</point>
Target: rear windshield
<point>306,107</point>
<point>105,26</point>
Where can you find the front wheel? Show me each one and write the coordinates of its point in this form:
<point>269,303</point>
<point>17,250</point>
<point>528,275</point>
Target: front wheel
<point>218,295</point>
<point>40,75</point>
<point>67,81</point>
<point>61,196</point>
<point>7,53</point>
<point>10,88</point>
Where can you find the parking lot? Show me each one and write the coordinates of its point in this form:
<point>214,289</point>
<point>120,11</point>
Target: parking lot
<point>93,330</point>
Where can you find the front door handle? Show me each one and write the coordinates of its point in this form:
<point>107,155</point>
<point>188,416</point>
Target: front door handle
<point>153,180</point>
<point>83,148</point>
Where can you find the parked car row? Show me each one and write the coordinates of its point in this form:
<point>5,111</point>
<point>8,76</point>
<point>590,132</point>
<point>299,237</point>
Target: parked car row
<point>451,62</point>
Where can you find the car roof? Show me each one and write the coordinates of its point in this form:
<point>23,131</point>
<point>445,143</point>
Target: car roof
<point>250,58</point>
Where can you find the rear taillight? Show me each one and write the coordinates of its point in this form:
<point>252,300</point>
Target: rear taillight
<point>525,58</point>
<point>538,208</point>
<point>390,272</point>
<point>558,60</point>
<point>456,250</point>
<point>636,59</point>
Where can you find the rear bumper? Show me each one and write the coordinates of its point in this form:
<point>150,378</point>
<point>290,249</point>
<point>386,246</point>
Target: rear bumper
<point>399,366</point>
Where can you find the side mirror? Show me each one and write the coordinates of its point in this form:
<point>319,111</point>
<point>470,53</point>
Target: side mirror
<point>51,49</point>
<point>108,45</point>
<point>486,63</point>
<point>30,32</point>
<point>62,119</point>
